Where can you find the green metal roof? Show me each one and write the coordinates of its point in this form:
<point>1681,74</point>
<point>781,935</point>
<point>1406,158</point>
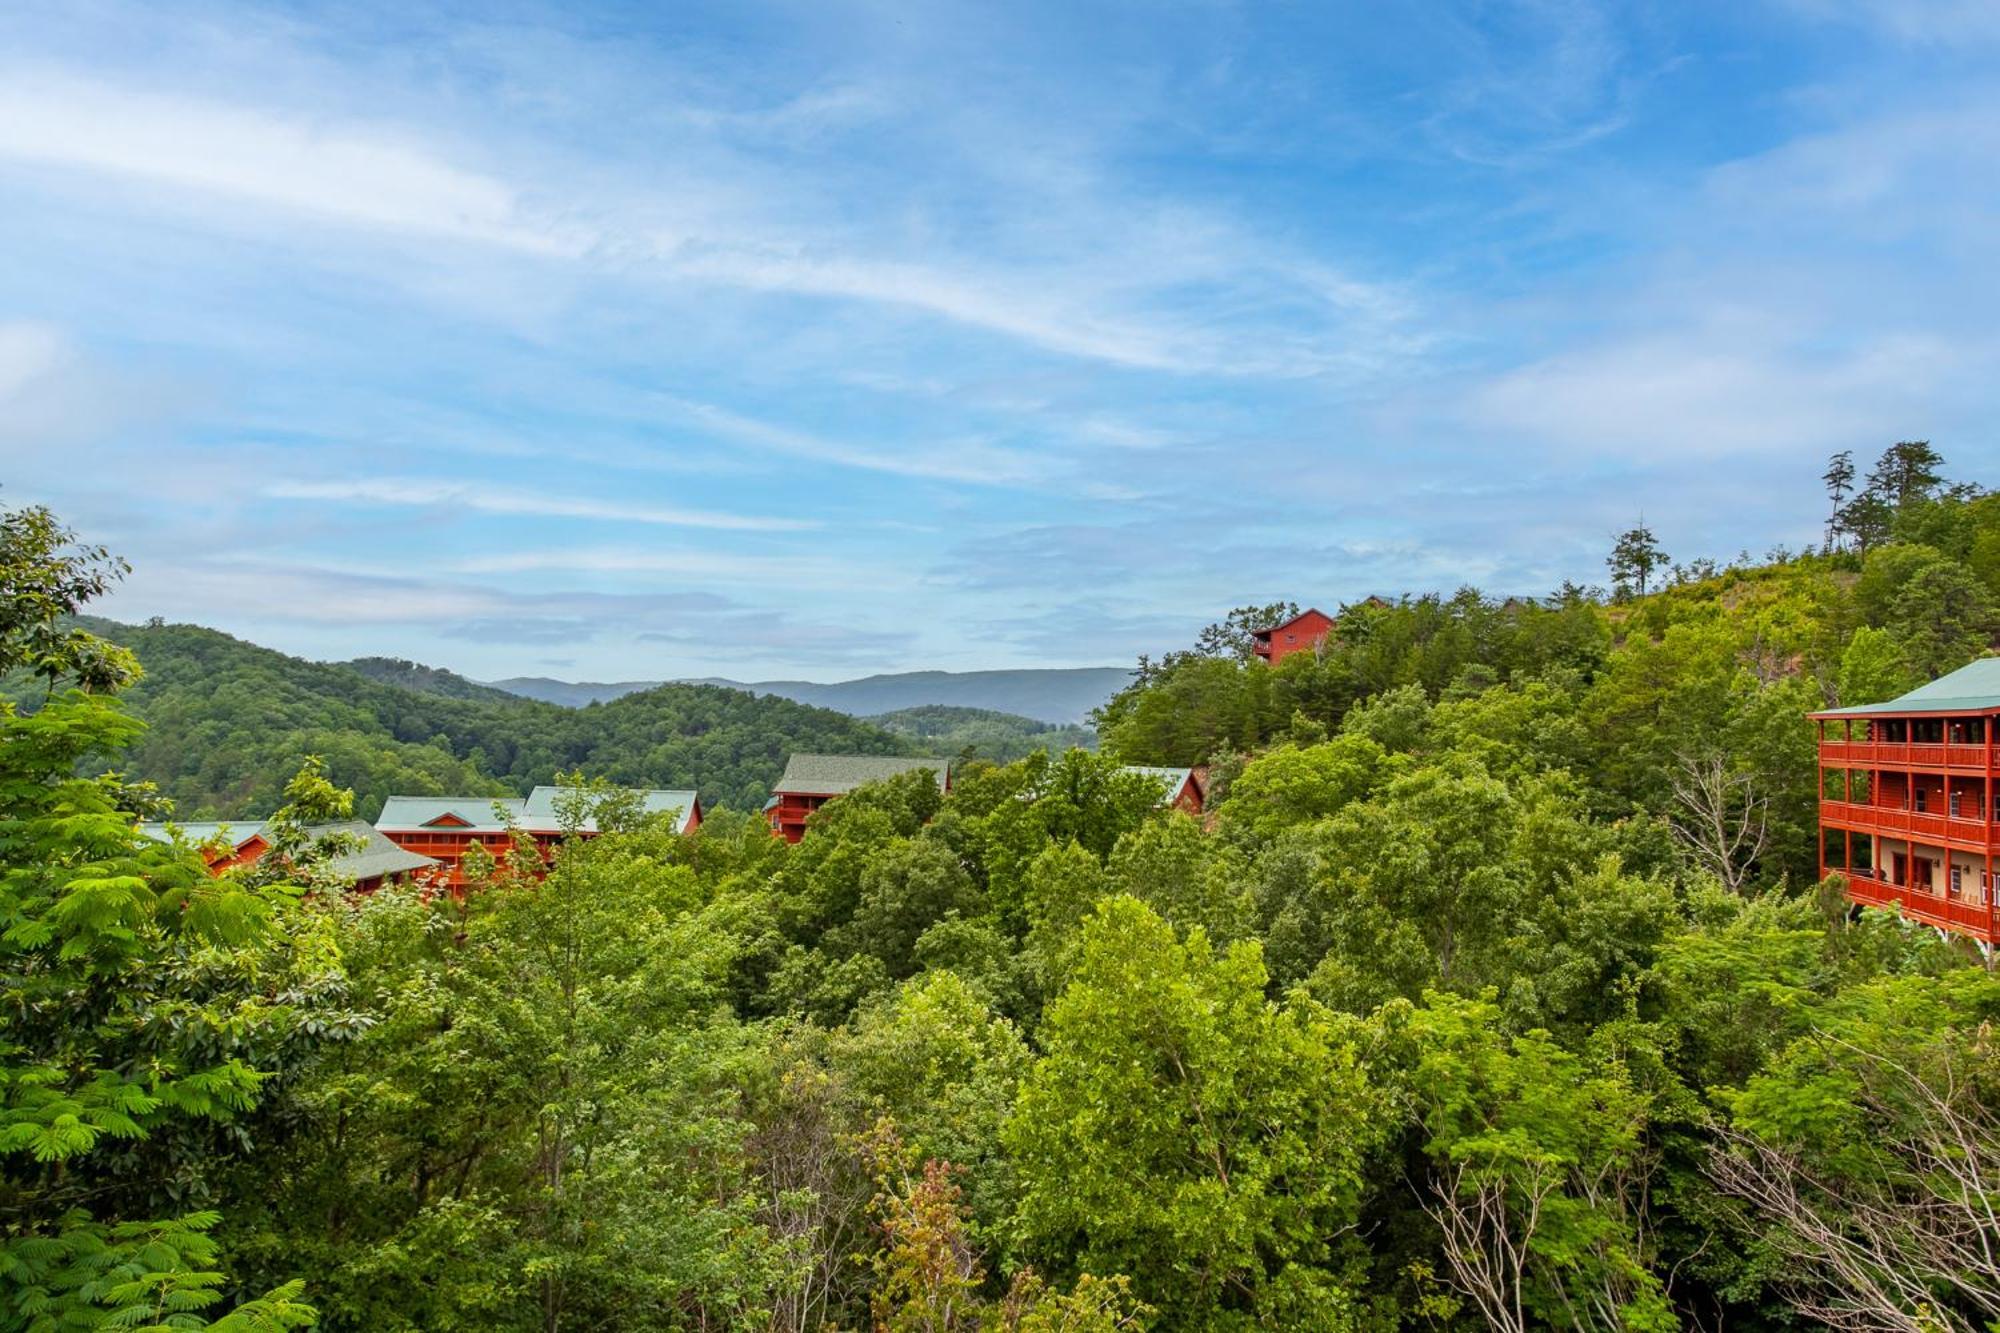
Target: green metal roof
<point>833,774</point>
<point>536,813</point>
<point>475,812</point>
<point>539,810</point>
<point>202,832</point>
<point>1173,779</point>
<point>1973,688</point>
<point>375,855</point>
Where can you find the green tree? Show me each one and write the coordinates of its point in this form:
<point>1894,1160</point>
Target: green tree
<point>1184,1130</point>
<point>137,1002</point>
<point>1942,618</point>
<point>1909,471</point>
<point>1288,786</point>
<point>1538,1162</point>
<point>1869,1155</point>
<point>1839,480</point>
<point>1633,558</point>
<point>1872,669</point>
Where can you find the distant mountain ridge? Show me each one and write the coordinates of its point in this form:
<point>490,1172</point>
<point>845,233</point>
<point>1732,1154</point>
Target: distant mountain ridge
<point>228,723</point>
<point>1056,695</point>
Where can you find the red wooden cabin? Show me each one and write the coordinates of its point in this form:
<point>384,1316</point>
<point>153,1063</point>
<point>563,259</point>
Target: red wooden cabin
<point>445,828</point>
<point>1302,633</point>
<point>370,861</point>
<point>1909,810</point>
<point>811,780</point>
<point>1184,789</point>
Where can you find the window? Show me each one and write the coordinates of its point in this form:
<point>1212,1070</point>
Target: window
<point>1920,798</point>
<point>1955,885</point>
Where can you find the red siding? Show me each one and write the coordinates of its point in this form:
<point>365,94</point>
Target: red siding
<point>1903,800</point>
<point>1301,633</point>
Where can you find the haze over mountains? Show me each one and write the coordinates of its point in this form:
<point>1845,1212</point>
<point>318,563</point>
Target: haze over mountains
<point>1056,695</point>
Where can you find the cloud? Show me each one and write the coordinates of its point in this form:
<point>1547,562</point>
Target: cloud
<point>1922,22</point>
<point>968,461</point>
<point>291,601</point>
<point>1710,393</point>
<point>28,352</point>
<point>425,493</point>
<point>358,176</point>
<point>816,570</point>
<point>1097,287</point>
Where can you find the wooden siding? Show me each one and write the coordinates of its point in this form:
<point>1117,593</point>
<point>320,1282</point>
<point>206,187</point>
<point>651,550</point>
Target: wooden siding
<point>1908,813</point>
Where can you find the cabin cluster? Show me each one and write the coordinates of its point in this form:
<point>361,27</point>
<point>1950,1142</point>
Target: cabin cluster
<point>1908,808</point>
<point>425,839</point>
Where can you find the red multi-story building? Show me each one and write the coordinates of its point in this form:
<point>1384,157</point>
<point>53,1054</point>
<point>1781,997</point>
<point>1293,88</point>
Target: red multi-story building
<point>1909,810</point>
<point>1302,633</point>
<point>445,828</point>
<point>811,780</point>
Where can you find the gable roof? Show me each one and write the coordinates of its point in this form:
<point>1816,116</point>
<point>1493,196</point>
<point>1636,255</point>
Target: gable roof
<point>835,774</point>
<point>1173,780</point>
<point>375,856</point>
<point>539,811</point>
<point>1973,688</point>
<point>409,814</point>
<point>536,813</point>
<point>1287,624</point>
<point>202,832</point>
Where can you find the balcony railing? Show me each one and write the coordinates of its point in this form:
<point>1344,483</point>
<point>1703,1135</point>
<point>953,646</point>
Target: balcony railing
<point>1967,915</point>
<point>1902,754</point>
<point>1961,830</point>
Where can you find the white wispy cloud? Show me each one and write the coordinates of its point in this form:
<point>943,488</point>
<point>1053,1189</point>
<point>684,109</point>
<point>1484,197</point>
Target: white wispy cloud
<point>1095,294</point>
<point>959,460</point>
<point>351,174</point>
<point>818,570</point>
<point>427,493</point>
<point>1718,392</point>
<point>28,352</point>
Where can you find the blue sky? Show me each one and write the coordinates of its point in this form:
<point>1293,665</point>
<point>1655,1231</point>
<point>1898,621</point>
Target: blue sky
<point>816,339</point>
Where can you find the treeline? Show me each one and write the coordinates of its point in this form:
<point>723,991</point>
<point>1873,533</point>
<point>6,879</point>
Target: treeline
<point>227,723</point>
<point>1442,1022</point>
<point>1673,703</point>
<point>982,733</point>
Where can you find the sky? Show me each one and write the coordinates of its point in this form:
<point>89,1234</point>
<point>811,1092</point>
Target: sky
<point>629,341</point>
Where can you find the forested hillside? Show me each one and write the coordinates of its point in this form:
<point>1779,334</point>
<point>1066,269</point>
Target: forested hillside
<point>227,723</point>
<point>1458,1013</point>
<point>982,733</point>
<point>426,679</point>
<point>1055,696</point>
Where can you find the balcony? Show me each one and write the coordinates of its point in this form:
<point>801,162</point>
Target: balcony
<point>1901,754</point>
<point>1967,916</point>
<point>1962,830</point>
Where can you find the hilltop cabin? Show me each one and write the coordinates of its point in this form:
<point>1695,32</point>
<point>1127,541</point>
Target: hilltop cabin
<point>811,780</point>
<point>445,828</point>
<point>1184,789</point>
<point>1908,808</point>
<point>372,862</point>
<point>1302,633</point>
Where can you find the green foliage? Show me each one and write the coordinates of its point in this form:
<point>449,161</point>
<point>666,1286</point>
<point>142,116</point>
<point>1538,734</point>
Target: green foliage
<point>1537,1164</point>
<point>146,1001</point>
<point>1447,1016</point>
<point>1184,1130</point>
